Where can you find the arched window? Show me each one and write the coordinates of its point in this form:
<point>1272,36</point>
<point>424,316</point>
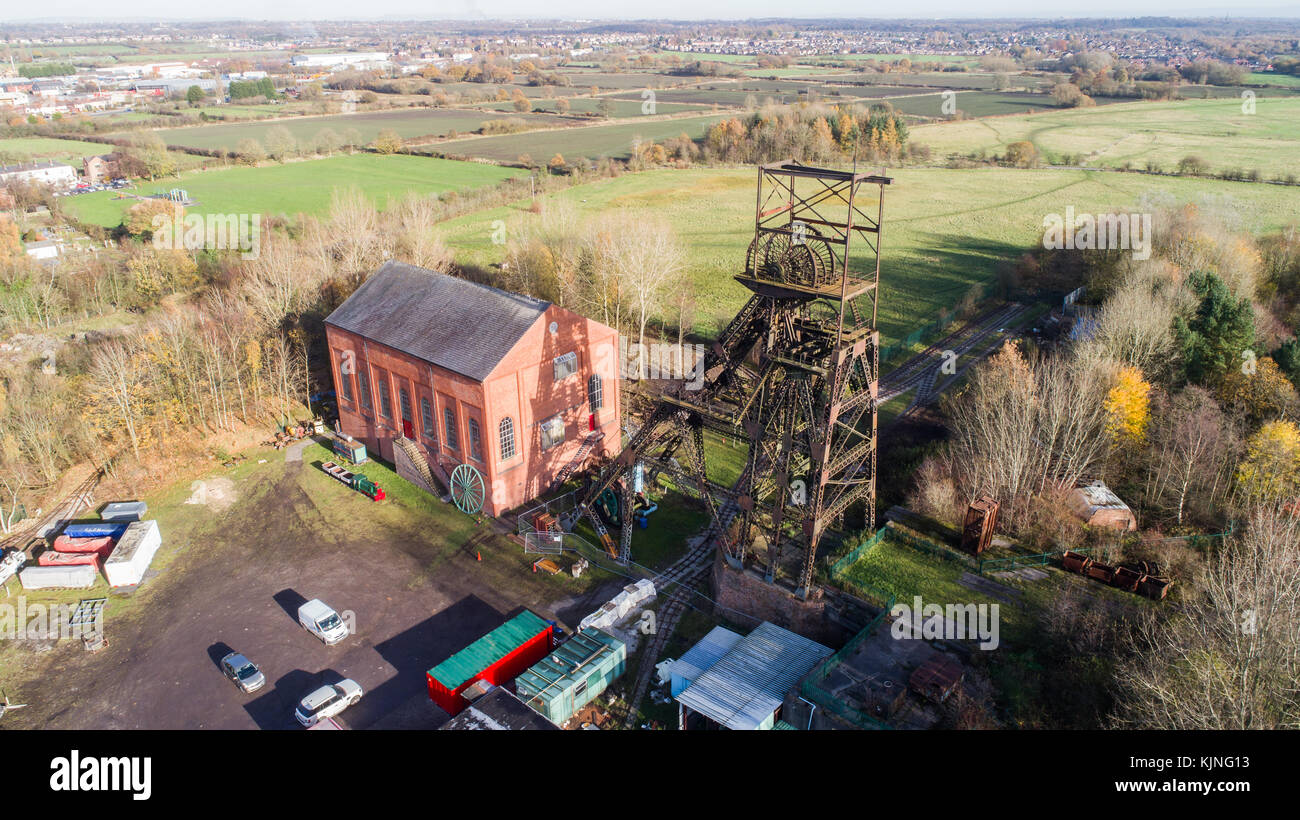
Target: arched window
<point>506,434</point>
<point>593,391</point>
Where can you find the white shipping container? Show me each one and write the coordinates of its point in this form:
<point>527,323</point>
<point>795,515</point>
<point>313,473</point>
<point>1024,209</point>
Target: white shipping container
<point>78,576</point>
<point>623,603</point>
<point>124,511</point>
<point>134,552</point>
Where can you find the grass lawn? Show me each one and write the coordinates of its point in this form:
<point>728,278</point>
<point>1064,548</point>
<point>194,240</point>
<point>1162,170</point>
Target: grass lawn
<point>1141,132</point>
<point>71,152</point>
<point>1268,78</point>
<point>299,187</point>
<point>946,230</point>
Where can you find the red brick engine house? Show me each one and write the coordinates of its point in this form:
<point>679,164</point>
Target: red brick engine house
<point>473,379</point>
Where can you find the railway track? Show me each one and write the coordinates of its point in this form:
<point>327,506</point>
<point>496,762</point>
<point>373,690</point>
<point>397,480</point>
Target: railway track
<point>81,498</point>
<point>929,385</point>
<point>923,368</point>
<point>681,578</point>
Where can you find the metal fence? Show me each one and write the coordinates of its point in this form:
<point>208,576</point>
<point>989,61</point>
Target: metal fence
<point>812,686</point>
<point>889,352</point>
<point>559,507</point>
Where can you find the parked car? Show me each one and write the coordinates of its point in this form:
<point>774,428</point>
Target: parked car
<point>320,620</point>
<point>327,701</point>
<point>243,672</point>
<point>328,724</point>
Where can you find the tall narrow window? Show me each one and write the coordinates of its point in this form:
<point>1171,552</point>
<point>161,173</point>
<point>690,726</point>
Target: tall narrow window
<point>385,399</point>
<point>449,428</point>
<point>506,433</point>
<point>426,418</point>
<point>363,380</point>
<point>475,440</point>
<point>345,373</point>
<point>593,391</point>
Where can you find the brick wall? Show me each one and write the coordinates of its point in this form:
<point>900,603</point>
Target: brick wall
<point>521,388</point>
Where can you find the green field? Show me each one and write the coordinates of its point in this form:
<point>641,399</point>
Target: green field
<point>592,142</point>
<point>945,230</point>
<point>1288,80</point>
<point>622,109</point>
<point>25,149</point>
<point>298,187</point>
<point>1141,132</point>
<point>407,123</point>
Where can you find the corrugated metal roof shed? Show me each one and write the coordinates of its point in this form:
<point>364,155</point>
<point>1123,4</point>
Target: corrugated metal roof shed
<point>744,688</point>
<point>488,649</point>
<point>453,323</point>
<point>701,657</point>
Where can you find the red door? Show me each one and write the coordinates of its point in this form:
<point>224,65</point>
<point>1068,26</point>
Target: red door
<point>591,422</point>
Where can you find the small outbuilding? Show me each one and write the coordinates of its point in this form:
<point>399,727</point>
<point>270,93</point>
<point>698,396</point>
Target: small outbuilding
<point>745,688</point>
<point>1098,506</point>
<point>701,658</point>
<point>499,710</point>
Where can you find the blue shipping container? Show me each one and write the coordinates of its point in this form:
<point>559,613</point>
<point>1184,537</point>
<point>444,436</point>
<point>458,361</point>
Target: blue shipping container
<point>94,530</point>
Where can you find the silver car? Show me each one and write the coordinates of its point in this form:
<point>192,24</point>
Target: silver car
<point>327,701</point>
<point>243,672</point>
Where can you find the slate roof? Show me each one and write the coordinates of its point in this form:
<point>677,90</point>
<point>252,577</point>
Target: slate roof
<point>464,327</point>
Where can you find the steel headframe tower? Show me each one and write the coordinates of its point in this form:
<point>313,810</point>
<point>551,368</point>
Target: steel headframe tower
<point>793,378</point>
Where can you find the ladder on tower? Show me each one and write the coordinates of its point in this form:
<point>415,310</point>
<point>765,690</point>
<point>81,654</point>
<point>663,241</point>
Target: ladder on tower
<point>579,458</point>
<point>605,540</point>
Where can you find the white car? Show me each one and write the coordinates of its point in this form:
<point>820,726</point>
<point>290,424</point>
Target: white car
<point>320,620</point>
<point>327,701</point>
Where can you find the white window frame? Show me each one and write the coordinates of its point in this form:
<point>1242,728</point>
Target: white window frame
<point>546,428</point>
<point>564,366</point>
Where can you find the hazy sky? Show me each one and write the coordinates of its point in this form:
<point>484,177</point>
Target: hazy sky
<point>594,9</point>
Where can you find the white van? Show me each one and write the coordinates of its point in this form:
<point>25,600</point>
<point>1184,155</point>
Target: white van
<point>320,620</point>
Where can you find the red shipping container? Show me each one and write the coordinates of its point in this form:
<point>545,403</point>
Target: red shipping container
<point>50,558</point>
<point>102,545</point>
<point>449,679</point>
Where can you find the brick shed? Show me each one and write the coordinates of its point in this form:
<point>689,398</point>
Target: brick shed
<point>515,387</point>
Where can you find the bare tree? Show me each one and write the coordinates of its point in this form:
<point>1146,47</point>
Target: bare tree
<point>1229,657</point>
<point>1190,453</point>
<point>118,381</point>
<point>1023,429</point>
